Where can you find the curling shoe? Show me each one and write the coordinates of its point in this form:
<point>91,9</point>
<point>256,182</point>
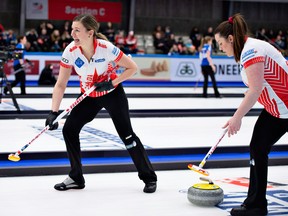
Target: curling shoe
<point>150,187</point>
<point>244,211</point>
<point>67,184</point>
<point>5,91</point>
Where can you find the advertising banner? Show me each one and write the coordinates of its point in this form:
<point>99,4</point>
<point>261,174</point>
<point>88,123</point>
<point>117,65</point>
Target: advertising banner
<point>189,69</point>
<point>37,9</point>
<point>150,68</point>
<point>68,9</point>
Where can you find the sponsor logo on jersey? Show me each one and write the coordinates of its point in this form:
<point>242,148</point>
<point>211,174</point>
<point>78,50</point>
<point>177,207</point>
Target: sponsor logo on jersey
<point>115,51</point>
<point>65,60</point>
<point>79,62</point>
<point>99,60</point>
<point>248,54</point>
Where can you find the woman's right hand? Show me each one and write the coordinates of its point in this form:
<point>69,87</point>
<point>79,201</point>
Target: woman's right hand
<point>50,119</point>
<point>233,125</point>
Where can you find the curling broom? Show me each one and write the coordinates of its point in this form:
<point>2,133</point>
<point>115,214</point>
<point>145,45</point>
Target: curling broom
<point>15,157</point>
<point>199,168</point>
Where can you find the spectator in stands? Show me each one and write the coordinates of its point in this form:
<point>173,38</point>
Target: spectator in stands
<point>2,29</point>
<point>47,77</point>
<point>65,39</point>
<point>66,27</point>
<point>160,44</point>
<point>158,30</point>
<point>210,33</point>
<point>283,37</point>
<point>11,38</point>
<point>271,35</point>
<point>131,43</point>
<point>170,41</point>
<point>195,37</point>
<point>32,38</point>
<point>191,50</point>
<point>2,40</point>
<point>120,40</point>
<point>279,42</point>
<point>45,25</point>
<point>174,50</point>
<point>181,46</point>
<point>167,32</point>
<point>44,41</point>
<point>109,32</point>
<point>261,34</point>
<point>55,41</point>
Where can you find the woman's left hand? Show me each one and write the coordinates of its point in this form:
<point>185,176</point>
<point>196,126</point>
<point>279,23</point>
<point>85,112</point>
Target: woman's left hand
<point>104,86</point>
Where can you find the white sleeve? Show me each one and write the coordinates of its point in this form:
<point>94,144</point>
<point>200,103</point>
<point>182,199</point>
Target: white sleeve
<point>114,53</point>
<point>66,59</point>
<point>252,53</point>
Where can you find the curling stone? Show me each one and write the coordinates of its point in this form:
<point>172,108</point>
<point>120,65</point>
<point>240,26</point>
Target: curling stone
<point>205,194</point>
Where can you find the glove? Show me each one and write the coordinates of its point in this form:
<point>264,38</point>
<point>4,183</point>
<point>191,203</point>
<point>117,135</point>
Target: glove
<point>50,119</point>
<point>104,86</point>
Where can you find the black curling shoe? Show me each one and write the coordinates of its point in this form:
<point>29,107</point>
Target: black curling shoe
<point>67,184</point>
<point>243,211</point>
<point>150,187</point>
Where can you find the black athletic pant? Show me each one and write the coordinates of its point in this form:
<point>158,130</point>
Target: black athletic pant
<point>20,77</point>
<point>207,71</point>
<point>116,104</point>
<point>267,131</point>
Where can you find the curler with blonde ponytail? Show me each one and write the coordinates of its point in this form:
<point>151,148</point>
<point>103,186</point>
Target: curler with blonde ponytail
<point>90,23</point>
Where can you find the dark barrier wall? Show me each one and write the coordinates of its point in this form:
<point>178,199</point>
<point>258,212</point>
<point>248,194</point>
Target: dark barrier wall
<point>182,15</point>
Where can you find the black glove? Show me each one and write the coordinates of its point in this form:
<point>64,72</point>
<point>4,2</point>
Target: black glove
<point>50,119</point>
<point>29,62</point>
<point>104,86</point>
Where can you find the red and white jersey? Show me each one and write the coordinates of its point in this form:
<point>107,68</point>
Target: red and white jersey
<point>101,66</point>
<point>274,96</point>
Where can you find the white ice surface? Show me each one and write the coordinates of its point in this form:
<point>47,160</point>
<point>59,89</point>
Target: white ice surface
<point>121,194</point>
<point>153,132</point>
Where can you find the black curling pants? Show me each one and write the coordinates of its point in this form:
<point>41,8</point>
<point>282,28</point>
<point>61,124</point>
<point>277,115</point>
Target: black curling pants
<point>267,131</point>
<point>116,104</point>
<point>20,77</point>
<point>207,71</point>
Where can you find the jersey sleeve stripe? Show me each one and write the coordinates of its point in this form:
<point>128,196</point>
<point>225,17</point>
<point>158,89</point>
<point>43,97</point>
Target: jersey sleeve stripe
<point>253,61</point>
<point>119,56</point>
<point>65,65</point>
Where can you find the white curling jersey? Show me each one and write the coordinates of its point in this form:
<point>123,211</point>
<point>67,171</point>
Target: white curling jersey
<point>101,66</point>
<point>274,96</point>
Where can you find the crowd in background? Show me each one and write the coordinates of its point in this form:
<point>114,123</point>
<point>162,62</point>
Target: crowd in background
<point>44,38</point>
<point>165,42</point>
<point>50,38</point>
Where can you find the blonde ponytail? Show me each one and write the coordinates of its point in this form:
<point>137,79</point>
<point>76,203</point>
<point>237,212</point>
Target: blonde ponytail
<point>99,35</point>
